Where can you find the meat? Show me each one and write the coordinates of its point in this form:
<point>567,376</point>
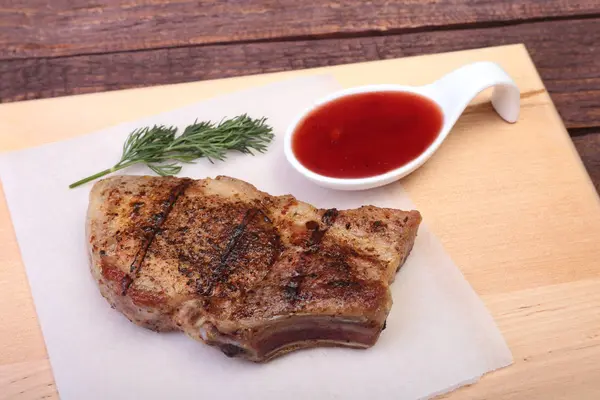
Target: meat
<point>253,274</point>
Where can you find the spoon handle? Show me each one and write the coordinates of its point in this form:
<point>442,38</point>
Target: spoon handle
<point>454,91</point>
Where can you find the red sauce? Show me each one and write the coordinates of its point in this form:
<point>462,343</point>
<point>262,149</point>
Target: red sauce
<point>366,134</point>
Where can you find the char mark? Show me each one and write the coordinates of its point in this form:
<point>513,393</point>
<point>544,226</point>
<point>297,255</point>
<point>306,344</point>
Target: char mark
<point>316,235</point>
<point>151,232</point>
<point>292,290</point>
<point>330,216</point>
<point>125,283</point>
<point>232,350</point>
<point>234,252</point>
<point>342,283</point>
<point>235,237</point>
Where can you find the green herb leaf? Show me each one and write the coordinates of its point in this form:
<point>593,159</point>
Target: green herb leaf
<point>163,151</point>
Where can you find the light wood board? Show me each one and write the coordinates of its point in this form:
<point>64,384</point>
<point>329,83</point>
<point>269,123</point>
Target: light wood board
<point>512,205</point>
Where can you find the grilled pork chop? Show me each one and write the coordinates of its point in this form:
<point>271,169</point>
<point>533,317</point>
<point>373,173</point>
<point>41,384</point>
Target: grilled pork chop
<point>256,275</point>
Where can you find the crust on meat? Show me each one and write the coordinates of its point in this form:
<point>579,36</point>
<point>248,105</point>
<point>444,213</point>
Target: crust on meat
<point>256,275</point>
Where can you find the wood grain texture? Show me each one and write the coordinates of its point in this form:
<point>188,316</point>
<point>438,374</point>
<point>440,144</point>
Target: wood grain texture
<point>38,28</point>
<point>588,147</point>
<point>27,380</point>
<point>541,348</point>
<point>569,63</point>
<point>526,237</point>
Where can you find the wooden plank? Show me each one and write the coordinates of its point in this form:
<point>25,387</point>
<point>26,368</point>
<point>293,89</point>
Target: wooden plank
<point>541,364</point>
<point>27,380</point>
<point>588,147</point>
<point>569,63</point>
<point>38,28</point>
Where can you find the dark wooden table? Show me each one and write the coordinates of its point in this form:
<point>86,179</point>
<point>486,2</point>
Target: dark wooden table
<point>63,47</point>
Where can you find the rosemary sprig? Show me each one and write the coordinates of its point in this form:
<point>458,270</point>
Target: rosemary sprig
<point>163,151</point>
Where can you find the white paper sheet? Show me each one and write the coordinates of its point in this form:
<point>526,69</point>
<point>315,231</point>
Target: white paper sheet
<point>439,335</point>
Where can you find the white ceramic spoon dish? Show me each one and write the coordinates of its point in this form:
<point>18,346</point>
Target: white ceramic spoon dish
<point>452,93</point>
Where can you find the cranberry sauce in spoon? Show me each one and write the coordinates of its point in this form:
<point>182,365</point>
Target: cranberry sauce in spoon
<point>366,134</point>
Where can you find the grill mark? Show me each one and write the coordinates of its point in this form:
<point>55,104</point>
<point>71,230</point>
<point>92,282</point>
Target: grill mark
<point>125,283</point>
<point>222,270</point>
<point>159,219</point>
<point>292,291</point>
<point>336,254</point>
<point>237,234</point>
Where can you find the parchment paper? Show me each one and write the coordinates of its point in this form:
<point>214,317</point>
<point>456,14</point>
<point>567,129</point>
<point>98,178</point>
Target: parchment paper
<point>439,335</point>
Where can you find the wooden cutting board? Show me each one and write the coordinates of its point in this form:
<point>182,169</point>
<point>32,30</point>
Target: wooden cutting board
<point>512,204</point>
